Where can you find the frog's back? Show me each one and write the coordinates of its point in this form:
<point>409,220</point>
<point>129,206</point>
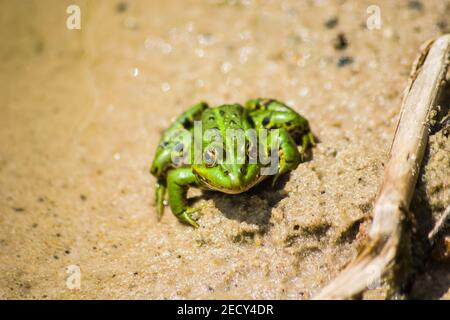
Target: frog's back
<point>229,116</point>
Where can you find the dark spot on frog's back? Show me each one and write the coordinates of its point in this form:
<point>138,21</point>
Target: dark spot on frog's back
<point>266,121</point>
<point>222,113</point>
<point>267,103</point>
<point>186,123</point>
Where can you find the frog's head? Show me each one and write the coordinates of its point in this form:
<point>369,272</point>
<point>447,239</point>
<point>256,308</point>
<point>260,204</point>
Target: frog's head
<point>218,172</point>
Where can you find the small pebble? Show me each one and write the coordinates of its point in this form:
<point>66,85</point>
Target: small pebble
<point>415,5</point>
<point>343,61</point>
<point>121,7</point>
<point>332,22</point>
<point>341,42</point>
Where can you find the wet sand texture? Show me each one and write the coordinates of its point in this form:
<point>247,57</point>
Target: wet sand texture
<point>81,112</point>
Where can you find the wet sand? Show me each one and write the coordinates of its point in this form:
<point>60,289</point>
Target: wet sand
<point>81,112</point>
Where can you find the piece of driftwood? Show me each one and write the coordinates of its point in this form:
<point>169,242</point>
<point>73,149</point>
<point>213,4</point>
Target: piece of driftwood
<point>378,258</point>
<point>440,224</point>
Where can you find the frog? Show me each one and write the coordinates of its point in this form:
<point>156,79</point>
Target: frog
<point>213,172</point>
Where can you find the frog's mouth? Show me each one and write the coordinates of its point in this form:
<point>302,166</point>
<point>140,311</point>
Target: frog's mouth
<point>223,189</point>
<point>236,190</point>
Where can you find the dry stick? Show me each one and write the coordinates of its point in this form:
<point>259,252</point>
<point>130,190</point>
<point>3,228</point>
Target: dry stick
<point>439,226</point>
<point>400,175</point>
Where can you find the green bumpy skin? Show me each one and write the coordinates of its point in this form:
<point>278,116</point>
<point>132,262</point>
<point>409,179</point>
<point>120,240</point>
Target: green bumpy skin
<point>234,177</point>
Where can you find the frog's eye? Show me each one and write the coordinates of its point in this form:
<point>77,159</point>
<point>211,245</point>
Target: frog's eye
<point>210,157</point>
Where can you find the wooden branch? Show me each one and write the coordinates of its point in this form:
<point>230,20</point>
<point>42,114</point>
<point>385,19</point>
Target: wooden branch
<point>400,174</point>
<point>440,224</point>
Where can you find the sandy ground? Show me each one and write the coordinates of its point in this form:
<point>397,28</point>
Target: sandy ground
<point>81,112</point>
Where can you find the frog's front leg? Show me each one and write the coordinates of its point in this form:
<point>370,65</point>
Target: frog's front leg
<point>178,183</point>
<point>288,155</point>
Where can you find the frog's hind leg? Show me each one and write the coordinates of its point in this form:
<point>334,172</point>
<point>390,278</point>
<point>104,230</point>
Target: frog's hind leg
<point>307,140</point>
<point>172,136</point>
<point>273,114</point>
<point>288,155</point>
<point>178,183</point>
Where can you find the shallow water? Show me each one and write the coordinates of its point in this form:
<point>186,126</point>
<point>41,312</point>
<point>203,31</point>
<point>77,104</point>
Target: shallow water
<point>81,112</point>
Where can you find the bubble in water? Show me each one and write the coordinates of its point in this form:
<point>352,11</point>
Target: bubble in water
<point>132,23</point>
<point>244,54</point>
<point>303,92</point>
<point>165,86</point>
<point>190,26</point>
<point>226,67</point>
<point>205,39</point>
<point>199,83</point>
<point>245,35</point>
<point>158,44</point>
<point>199,52</point>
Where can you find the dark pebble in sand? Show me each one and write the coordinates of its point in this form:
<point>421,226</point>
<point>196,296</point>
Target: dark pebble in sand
<point>331,23</point>
<point>121,7</point>
<point>343,61</point>
<point>415,5</point>
<point>18,209</point>
<point>443,26</point>
<point>341,42</point>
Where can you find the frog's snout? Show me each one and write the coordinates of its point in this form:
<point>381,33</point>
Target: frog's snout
<point>235,180</point>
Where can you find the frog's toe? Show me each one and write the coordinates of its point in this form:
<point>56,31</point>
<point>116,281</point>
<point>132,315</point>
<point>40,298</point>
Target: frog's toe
<point>275,179</point>
<point>185,217</point>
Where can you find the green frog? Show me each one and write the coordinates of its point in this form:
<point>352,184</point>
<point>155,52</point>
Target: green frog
<point>219,166</point>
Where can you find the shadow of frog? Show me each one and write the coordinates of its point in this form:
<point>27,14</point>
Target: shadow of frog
<point>253,206</point>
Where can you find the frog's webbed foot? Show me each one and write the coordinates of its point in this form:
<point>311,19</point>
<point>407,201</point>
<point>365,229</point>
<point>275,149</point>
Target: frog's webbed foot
<point>186,217</point>
<point>160,193</point>
<point>178,183</point>
<point>307,140</point>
